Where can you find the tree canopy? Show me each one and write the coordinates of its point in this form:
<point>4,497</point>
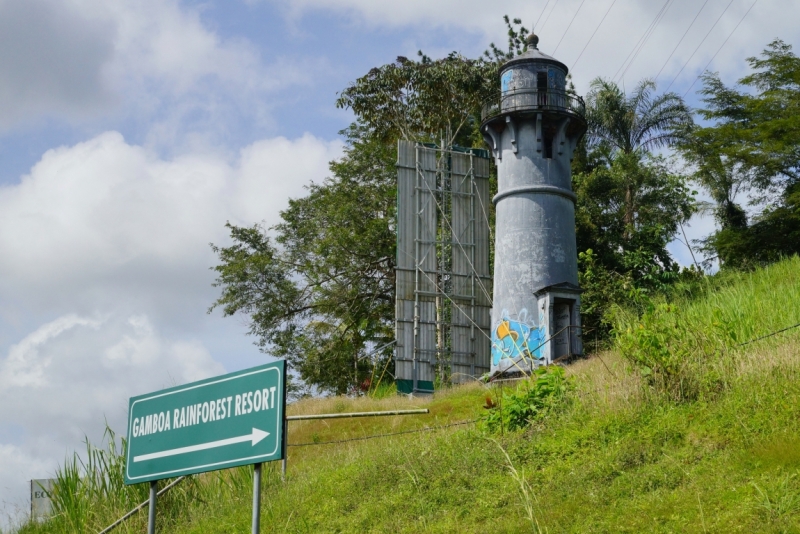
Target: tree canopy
<point>752,146</point>
<point>318,288</point>
<point>321,291</point>
<point>630,202</point>
<point>641,121</point>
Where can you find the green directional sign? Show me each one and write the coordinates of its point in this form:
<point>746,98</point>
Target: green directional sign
<point>221,422</point>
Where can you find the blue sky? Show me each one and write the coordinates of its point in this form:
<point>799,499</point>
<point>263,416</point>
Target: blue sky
<point>132,130</point>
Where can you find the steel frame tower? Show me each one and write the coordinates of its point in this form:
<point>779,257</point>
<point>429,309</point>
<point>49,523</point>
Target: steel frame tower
<point>444,284</point>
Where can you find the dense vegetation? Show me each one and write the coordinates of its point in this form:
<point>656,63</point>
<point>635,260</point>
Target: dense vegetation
<point>618,452</point>
<point>318,288</point>
<point>752,146</point>
<point>684,418</point>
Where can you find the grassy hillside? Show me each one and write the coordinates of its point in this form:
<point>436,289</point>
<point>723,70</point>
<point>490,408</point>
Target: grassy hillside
<point>628,451</point>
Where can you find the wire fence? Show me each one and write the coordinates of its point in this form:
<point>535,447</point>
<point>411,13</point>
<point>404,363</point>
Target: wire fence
<point>178,480</point>
<point>390,434</point>
<point>775,333</point>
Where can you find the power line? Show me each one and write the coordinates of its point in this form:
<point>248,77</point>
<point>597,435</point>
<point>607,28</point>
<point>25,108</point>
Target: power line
<point>542,13</point>
<point>769,335</point>
<point>647,37</point>
<point>593,34</point>
<point>721,46</point>
<point>646,31</point>
<point>701,44</point>
<point>682,38</point>
<point>549,14</point>
<point>568,27</point>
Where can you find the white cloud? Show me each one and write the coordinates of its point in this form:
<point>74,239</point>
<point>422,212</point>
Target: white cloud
<point>104,280</point>
<point>25,366</point>
<point>104,218</point>
<point>620,31</point>
<point>153,62</point>
<point>69,377</point>
<point>51,58</point>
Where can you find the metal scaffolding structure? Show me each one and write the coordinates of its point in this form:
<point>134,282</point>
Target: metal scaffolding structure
<point>444,285</point>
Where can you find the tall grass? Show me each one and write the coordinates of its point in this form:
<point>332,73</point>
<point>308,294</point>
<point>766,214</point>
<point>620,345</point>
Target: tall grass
<point>89,494</point>
<point>692,347</point>
<point>80,485</point>
<point>620,456</point>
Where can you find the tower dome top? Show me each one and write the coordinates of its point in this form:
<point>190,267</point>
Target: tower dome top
<point>533,55</point>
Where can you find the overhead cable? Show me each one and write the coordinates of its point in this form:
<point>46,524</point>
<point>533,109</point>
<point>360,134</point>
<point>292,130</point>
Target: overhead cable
<point>701,44</point>
<point>720,48</point>
<point>593,34</point>
<point>549,14</point>
<point>568,27</point>
<point>540,14</point>
<point>681,39</point>
<point>647,37</point>
<point>636,46</point>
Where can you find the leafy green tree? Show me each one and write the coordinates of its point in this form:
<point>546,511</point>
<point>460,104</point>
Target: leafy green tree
<point>641,121</point>
<point>320,292</point>
<point>630,203</point>
<point>618,259</point>
<point>633,124</point>
<point>753,144</point>
<point>758,127</point>
<point>428,100</point>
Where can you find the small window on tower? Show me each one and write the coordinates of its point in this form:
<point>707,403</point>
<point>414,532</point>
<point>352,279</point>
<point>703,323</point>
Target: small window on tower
<point>541,81</point>
<point>541,87</point>
<point>547,139</point>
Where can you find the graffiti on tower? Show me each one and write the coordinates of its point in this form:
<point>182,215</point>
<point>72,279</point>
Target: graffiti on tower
<point>516,338</point>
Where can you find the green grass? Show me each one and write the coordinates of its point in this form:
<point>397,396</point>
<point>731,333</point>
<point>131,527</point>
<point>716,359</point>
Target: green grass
<point>621,454</point>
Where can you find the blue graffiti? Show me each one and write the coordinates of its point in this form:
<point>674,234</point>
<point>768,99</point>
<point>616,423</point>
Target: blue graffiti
<point>505,80</point>
<point>516,338</point>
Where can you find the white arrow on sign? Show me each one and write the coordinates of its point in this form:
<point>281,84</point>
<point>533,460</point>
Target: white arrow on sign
<point>254,437</point>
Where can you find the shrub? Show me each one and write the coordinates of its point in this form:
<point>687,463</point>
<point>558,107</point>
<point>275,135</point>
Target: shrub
<point>528,402</point>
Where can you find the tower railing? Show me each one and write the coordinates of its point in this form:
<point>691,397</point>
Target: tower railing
<point>532,99</point>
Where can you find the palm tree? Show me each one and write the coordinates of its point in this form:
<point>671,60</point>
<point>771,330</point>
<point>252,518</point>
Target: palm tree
<point>633,125</point>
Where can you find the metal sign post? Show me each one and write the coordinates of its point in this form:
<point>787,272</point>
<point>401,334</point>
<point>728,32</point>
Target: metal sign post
<point>256,498</point>
<point>151,517</point>
<point>226,421</point>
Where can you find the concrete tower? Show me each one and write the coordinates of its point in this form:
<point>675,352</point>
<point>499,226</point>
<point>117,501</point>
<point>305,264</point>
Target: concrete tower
<point>532,130</point>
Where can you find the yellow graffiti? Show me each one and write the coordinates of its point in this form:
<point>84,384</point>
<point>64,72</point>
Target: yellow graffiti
<point>504,329</point>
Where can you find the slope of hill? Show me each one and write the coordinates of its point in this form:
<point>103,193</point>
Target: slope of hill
<point>620,455</point>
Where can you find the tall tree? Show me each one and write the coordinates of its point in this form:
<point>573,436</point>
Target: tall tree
<point>753,145</point>
<point>758,127</point>
<point>632,124</point>
<point>320,292</point>
<point>630,203</point>
<point>426,100</point>
<point>432,100</point>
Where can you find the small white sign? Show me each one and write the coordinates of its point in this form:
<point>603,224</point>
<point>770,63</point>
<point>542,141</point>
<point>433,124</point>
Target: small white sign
<point>41,506</point>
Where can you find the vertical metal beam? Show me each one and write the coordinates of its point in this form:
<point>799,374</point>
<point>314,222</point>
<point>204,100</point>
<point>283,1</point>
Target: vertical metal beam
<point>151,518</point>
<point>285,444</point>
<point>417,267</point>
<point>285,461</point>
<point>441,335</point>
<point>257,498</point>
<point>473,239</point>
